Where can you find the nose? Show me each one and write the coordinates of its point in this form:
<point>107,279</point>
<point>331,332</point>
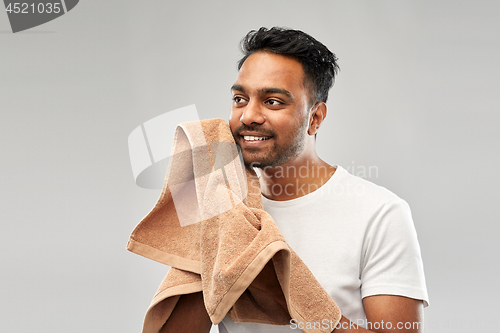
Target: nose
<point>252,114</point>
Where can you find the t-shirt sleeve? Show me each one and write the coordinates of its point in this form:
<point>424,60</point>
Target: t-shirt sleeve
<point>391,262</point>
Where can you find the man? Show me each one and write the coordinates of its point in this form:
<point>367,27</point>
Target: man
<point>357,238</point>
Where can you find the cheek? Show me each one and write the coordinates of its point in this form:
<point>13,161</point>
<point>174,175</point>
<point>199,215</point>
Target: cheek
<point>285,124</point>
<point>234,119</point>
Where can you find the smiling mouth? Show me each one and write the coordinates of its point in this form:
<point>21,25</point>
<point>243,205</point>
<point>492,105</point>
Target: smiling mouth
<point>255,138</point>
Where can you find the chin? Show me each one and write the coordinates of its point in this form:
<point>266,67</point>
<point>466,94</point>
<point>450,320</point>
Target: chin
<point>259,161</point>
<point>253,162</point>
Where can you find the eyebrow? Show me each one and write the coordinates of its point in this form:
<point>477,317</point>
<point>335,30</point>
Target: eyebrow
<point>277,91</point>
<point>265,90</point>
<point>237,87</point>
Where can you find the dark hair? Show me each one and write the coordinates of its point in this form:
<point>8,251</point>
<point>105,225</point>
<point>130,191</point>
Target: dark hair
<point>319,64</point>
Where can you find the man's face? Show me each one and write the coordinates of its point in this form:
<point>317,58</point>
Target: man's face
<point>269,114</point>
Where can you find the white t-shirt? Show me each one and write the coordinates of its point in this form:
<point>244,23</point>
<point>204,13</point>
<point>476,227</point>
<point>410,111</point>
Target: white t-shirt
<point>357,238</point>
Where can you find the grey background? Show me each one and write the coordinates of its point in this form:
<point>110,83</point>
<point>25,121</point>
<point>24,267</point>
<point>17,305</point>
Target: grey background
<point>417,97</point>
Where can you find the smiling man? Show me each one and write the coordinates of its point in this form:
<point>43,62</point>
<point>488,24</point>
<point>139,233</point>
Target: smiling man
<point>274,119</point>
<point>357,238</point>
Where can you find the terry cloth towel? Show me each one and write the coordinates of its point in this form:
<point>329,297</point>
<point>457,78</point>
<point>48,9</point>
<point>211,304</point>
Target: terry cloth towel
<point>209,226</point>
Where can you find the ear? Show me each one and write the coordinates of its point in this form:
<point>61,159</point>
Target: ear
<point>318,114</point>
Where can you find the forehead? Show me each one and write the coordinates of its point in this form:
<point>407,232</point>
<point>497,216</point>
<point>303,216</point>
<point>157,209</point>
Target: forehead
<point>269,70</point>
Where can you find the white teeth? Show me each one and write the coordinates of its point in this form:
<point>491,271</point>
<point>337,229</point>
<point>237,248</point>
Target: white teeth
<point>255,138</point>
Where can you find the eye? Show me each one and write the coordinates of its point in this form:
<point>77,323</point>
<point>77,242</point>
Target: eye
<point>238,100</point>
<point>273,102</point>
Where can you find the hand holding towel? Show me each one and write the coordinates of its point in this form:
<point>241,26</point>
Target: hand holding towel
<point>209,226</point>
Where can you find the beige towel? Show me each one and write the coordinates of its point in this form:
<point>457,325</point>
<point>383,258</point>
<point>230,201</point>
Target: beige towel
<point>209,225</point>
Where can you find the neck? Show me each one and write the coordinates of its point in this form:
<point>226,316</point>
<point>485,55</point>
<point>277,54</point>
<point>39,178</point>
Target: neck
<point>295,179</point>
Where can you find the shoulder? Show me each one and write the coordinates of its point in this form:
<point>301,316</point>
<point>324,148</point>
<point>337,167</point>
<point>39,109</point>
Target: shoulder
<point>359,191</point>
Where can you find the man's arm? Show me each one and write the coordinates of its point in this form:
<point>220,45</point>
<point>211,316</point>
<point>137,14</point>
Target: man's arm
<point>189,316</point>
<point>387,314</point>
